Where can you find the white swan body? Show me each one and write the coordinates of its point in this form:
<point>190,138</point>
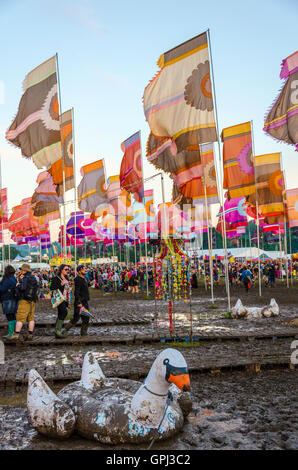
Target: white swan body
<point>239,311</point>
<point>116,410</point>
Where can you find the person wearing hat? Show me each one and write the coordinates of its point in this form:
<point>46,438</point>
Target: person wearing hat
<point>81,299</point>
<point>27,287</point>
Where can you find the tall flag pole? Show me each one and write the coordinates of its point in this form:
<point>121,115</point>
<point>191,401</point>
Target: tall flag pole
<point>75,188</point>
<point>208,233</point>
<point>146,254</point>
<point>257,212</point>
<point>285,219</point>
<point>63,158</point>
<point>220,174</point>
<point>2,221</point>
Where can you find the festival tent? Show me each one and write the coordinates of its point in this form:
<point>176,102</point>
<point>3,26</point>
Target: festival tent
<point>248,253</point>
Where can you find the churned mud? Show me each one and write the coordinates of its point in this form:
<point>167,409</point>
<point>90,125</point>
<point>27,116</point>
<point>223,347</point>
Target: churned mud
<point>232,409</point>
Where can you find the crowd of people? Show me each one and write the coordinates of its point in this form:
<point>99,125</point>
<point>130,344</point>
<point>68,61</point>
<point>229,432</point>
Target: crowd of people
<point>19,291</point>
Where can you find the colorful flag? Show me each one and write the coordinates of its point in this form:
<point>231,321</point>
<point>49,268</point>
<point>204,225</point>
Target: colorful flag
<point>73,229</point>
<point>92,189</point>
<point>235,212</point>
<point>45,201</point>
<point>238,162</point>
<point>269,185</point>
<point>282,120</point>
<point>118,201</point>
<point>36,127</point>
<point>131,174</point>
<point>56,169</point>
<point>203,181</point>
<point>184,167</point>
<point>22,221</point>
<point>292,207</point>
<point>178,100</point>
<point>3,208</point>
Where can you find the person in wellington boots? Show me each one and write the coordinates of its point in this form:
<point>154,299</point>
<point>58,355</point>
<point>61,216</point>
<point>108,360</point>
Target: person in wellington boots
<point>26,291</point>
<point>61,282</point>
<point>8,298</point>
<point>81,299</point>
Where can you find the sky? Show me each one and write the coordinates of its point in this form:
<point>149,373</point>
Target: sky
<point>107,55</point>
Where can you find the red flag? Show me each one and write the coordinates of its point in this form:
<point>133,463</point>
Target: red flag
<point>131,175</point>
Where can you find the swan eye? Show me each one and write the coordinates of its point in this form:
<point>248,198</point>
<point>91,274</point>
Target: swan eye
<point>166,361</point>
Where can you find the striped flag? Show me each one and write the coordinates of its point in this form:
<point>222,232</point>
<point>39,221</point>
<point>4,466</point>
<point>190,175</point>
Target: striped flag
<point>131,174</point>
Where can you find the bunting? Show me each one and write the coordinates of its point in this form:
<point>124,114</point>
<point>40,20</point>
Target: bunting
<point>36,127</point>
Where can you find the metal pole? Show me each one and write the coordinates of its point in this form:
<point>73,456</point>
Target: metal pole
<point>257,209</point>
<point>135,246</point>
<point>165,235</point>
<point>146,254</point>
<point>63,164</point>
<point>75,189</point>
<point>2,222</point>
<point>220,186</point>
<point>208,235</point>
<point>285,220</point>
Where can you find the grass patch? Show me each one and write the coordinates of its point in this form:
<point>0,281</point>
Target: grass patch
<point>213,306</point>
<point>228,316</point>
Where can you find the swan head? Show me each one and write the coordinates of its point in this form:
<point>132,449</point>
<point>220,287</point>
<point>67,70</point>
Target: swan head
<point>171,367</point>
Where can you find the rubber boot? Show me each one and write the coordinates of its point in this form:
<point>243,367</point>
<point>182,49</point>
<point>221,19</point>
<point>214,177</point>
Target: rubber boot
<point>84,329</point>
<point>14,336</point>
<point>68,326</point>
<point>11,326</point>
<point>58,329</point>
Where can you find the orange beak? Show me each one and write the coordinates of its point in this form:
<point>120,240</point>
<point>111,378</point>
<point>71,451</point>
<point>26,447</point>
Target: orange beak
<point>182,381</point>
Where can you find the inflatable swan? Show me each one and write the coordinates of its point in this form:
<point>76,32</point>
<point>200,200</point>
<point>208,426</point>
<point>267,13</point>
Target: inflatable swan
<point>113,410</point>
<point>239,311</point>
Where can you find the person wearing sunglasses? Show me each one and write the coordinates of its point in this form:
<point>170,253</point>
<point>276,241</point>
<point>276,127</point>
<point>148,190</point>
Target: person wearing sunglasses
<point>81,299</point>
<point>60,282</point>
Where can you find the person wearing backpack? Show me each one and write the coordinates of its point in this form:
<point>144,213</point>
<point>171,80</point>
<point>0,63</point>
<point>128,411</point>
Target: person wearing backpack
<point>246,278</point>
<point>8,298</point>
<point>27,287</point>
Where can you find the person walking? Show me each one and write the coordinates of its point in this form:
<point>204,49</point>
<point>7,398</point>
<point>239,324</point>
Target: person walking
<point>81,296</point>
<point>61,282</point>
<point>26,289</point>
<point>8,298</point>
<point>271,275</point>
<point>246,278</point>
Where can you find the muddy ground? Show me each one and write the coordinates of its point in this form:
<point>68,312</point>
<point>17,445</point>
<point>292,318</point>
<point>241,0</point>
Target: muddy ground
<point>232,409</point>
